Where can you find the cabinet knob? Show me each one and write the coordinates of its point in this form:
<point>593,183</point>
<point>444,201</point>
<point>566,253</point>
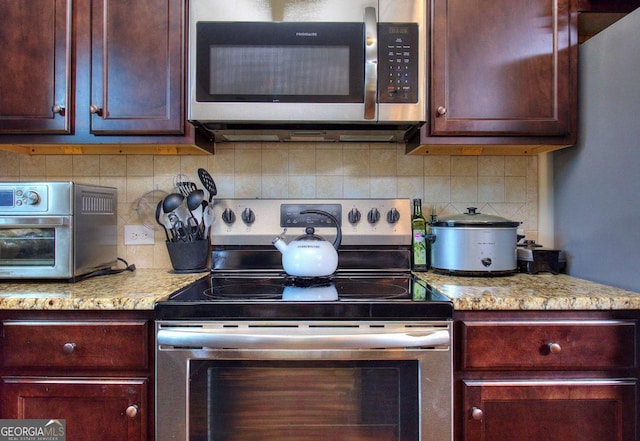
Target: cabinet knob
<point>441,110</point>
<point>95,110</point>
<point>58,109</point>
<point>476,413</point>
<point>554,348</point>
<point>68,348</point>
<point>132,411</point>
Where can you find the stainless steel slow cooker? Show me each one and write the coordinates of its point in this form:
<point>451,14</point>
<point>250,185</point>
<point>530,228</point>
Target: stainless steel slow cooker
<point>473,244</point>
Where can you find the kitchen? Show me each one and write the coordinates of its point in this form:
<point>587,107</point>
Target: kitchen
<point>506,184</point>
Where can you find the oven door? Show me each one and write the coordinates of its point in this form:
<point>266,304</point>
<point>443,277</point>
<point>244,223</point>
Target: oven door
<point>304,381</point>
<point>35,247</point>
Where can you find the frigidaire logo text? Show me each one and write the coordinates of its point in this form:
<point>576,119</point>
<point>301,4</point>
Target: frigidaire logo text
<point>306,34</point>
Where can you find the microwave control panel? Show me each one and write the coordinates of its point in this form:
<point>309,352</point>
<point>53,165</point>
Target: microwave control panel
<point>398,62</point>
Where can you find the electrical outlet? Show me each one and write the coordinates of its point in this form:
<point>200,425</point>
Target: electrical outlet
<point>138,235</point>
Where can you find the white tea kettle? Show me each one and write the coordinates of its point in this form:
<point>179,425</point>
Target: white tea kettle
<point>310,255</point>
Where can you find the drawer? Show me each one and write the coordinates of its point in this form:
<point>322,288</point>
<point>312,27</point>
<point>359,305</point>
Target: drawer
<point>91,344</point>
<point>564,345</point>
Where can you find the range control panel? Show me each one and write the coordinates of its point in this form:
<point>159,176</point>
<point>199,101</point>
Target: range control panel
<point>362,221</point>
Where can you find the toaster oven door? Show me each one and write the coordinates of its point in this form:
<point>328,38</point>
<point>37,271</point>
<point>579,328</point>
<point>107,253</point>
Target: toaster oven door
<point>35,247</point>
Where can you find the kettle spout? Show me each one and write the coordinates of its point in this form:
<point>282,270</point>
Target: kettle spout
<point>279,242</point>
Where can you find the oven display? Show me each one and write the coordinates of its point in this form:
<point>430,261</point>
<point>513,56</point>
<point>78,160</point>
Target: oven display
<point>6,198</point>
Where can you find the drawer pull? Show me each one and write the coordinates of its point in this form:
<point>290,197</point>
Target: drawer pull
<point>132,411</point>
<point>476,413</point>
<point>554,348</point>
<point>68,348</point>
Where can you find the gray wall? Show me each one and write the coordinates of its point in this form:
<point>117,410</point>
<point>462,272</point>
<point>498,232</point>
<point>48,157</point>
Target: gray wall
<point>597,183</point>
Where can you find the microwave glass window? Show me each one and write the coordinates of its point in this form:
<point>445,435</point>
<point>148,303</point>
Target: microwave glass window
<point>280,62</point>
<point>283,70</point>
<point>27,247</point>
<point>311,401</point>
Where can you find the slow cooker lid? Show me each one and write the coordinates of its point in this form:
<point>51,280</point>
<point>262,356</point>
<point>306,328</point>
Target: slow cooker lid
<point>473,218</point>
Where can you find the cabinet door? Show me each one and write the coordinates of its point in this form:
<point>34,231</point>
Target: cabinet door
<point>552,410</point>
<point>501,67</point>
<point>137,67</point>
<point>97,410</point>
<point>35,37</point>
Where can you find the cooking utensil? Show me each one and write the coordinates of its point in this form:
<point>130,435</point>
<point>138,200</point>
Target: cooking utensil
<point>194,204</point>
<point>207,182</point>
<point>172,202</point>
<point>473,243</point>
<point>183,184</point>
<point>207,220</point>
<point>158,219</point>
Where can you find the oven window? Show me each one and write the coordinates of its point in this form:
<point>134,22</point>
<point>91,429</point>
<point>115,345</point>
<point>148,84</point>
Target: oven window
<point>27,247</point>
<point>310,401</point>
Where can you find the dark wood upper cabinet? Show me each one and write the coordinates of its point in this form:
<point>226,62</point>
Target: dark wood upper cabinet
<point>113,70</point>
<point>137,67</point>
<point>35,83</point>
<point>502,72</point>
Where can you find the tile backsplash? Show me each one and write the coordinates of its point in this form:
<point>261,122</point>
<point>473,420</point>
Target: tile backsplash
<point>503,185</point>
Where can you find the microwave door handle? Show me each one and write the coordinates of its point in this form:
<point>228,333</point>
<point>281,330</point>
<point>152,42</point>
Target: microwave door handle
<point>33,222</point>
<point>371,63</point>
<point>218,339</point>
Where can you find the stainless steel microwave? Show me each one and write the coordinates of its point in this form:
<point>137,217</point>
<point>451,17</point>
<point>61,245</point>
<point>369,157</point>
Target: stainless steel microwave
<point>310,65</point>
<point>56,230</point>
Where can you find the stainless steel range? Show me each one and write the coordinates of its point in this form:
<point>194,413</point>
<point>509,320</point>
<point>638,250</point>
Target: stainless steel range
<point>251,353</point>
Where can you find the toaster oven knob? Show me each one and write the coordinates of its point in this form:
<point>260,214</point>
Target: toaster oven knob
<point>354,216</point>
<point>393,216</point>
<point>31,198</point>
<point>228,216</point>
<point>248,216</point>
<point>373,216</point>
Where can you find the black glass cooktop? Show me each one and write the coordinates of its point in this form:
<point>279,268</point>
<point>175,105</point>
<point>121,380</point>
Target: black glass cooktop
<point>277,296</point>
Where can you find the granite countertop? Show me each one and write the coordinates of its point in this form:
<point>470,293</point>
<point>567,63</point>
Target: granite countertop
<point>542,291</point>
<point>140,290</point>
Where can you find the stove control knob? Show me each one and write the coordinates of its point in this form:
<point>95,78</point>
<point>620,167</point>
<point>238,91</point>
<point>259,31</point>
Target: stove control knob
<point>373,216</point>
<point>393,216</point>
<point>248,216</point>
<point>354,216</point>
<point>228,216</point>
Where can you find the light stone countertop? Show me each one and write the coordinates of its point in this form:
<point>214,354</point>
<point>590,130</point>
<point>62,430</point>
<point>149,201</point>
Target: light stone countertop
<point>137,290</point>
<point>542,291</point>
<point>140,290</point>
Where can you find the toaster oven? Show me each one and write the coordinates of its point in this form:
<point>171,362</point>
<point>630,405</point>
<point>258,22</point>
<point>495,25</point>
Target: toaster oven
<point>56,230</point>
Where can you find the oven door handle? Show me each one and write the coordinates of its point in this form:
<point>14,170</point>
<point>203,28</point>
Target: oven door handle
<point>312,339</point>
<point>33,222</point>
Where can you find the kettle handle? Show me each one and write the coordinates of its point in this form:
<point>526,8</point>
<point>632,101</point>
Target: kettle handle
<point>338,240</point>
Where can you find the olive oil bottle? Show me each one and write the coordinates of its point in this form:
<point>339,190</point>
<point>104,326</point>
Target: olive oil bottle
<point>419,243</point>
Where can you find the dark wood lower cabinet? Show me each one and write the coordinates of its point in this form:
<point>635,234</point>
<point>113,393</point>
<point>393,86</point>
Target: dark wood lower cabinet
<point>93,409</point>
<point>550,411</point>
<point>546,375</point>
<point>93,369</point>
